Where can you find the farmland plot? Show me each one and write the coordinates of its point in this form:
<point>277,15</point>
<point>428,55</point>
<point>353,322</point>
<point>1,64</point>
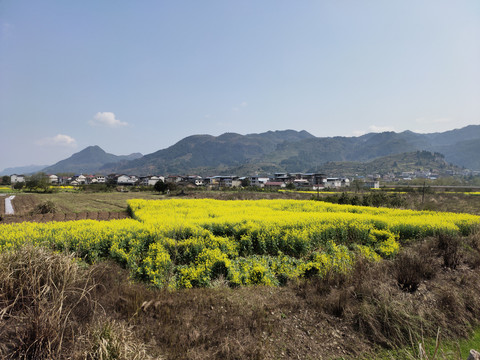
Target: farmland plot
<point>196,243</point>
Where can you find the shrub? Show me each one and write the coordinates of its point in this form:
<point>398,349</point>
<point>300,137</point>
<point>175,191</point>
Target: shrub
<point>411,267</point>
<point>19,185</point>
<point>449,247</point>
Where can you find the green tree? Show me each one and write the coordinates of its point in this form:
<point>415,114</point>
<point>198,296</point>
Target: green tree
<point>246,182</point>
<point>290,186</point>
<point>6,180</point>
<point>38,182</point>
<point>19,185</point>
<point>358,185</point>
<point>160,186</point>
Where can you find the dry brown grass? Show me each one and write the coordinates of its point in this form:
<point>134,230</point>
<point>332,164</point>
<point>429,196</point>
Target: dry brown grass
<point>42,295</point>
<point>111,340</point>
<point>46,305</point>
<point>52,308</point>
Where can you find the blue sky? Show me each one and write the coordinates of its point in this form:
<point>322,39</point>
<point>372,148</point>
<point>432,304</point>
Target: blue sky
<point>138,76</point>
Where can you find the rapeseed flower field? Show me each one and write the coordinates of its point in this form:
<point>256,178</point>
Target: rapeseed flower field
<point>194,243</point>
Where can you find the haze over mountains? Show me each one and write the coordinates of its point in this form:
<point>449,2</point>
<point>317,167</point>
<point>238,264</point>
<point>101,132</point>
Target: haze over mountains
<point>276,151</point>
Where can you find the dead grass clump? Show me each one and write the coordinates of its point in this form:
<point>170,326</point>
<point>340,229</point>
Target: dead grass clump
<point>205,324</point>
<point>110,339</point>
<point>43,296</point>
<point>49,310</point>
<point>470,284</point>
<point>471,253</point>
<point>388,320</point>
<point>411,267</point>
<point>449,247</point>
<point>47,207</point>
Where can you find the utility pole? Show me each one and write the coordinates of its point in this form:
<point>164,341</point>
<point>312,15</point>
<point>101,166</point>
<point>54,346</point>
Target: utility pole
<point>423,192</point>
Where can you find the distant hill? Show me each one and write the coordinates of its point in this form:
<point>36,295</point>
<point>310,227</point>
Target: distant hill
<point>88,161</point>
<point>22,170</point>
<point>404,162</point>
<point>278,151</point>
<point>313,153</point>
<point>203,153</point>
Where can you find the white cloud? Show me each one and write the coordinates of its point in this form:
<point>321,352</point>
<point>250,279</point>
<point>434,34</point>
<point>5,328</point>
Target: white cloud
<point>379,129</point>
<point>106,119</point>
<point>58,140</point>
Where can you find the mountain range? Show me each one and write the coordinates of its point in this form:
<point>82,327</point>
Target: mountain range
<point>297,151</point>
<point>278,151</point>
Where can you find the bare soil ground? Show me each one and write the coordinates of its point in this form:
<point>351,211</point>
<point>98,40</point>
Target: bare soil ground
<point>66,209</point>
<point>2,205</point>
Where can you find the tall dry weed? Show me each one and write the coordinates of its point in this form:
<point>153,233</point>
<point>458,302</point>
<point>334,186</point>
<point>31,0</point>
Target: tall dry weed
<point>42,296</point>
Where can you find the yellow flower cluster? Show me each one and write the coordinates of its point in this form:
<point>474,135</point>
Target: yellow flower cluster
<point>192,243</point>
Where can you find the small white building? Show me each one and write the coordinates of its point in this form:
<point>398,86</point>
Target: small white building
<point>98,179</point>
<point>151,180</point>
<point>259,181</point>
<point>81,179</point>
<point>127,180</point>
<point>333,183</point>
<point>53,179</point>
<point>17,178</point>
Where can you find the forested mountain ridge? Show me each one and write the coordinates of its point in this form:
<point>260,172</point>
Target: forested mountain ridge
<point>286,150</point>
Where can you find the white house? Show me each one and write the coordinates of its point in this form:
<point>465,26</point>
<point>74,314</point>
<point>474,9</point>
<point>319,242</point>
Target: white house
<point>195,179</point>
<point>98,179</point>
<point>127,180</point>
<point>17,178</point>
<point>81,179</point>
<point>258,181</point>
<point>53,179</point>
<point>333,183</point>
<point>151,180</point>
